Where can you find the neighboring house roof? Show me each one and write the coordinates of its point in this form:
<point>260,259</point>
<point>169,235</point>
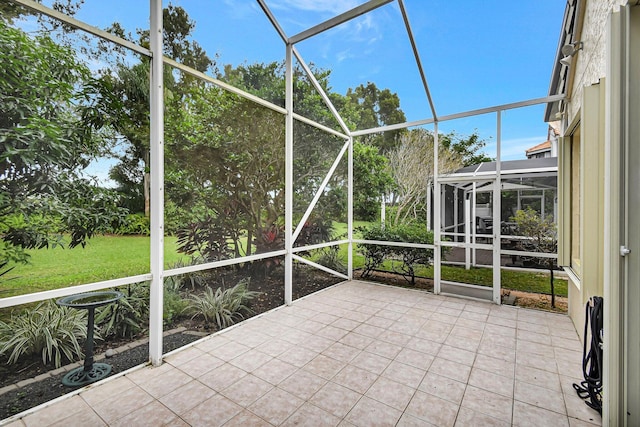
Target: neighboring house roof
<point>545,146</point>
<point>529,174</point>
<point>544,164</point>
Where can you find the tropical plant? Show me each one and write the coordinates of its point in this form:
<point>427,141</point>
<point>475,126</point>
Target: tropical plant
<point>330,257</point>
<point>48,329</point>
<point>174,306</point>
<point>192,280</point>
<point>129,316</point>
<point>206,238</point>
<point>223,306</point>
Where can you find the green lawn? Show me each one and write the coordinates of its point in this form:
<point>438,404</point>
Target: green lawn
<point>103,258</point>
<point>516,280</point>
<point>340,229</point>
<point>111,257</point>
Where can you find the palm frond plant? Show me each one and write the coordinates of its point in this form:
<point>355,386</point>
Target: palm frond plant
<point>223,307</point>
<point>129,316</point>
<point>49,329</point>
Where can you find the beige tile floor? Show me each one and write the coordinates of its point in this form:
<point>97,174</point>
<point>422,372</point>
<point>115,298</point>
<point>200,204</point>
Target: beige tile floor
<point>357,354</point>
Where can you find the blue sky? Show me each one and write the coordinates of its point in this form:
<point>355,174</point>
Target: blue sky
<point>475,54</point>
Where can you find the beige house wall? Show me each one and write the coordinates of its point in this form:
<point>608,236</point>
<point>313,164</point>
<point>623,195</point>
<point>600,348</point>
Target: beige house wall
<point>590,65</point>
<point>603,109</point>
<point>589,68</point>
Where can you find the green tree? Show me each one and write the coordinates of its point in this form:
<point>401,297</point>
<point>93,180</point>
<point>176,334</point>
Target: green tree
<point>469,148</point>
<point>130,84</point>
<point>367,107</point>
<point>47,138</point>
<point>371,180</point>
<point>314,149</point>
<point>227,153</point>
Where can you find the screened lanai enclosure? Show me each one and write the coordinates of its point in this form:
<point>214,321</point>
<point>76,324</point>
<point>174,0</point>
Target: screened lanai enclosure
<point>467,215</point>
<point>257,168</point>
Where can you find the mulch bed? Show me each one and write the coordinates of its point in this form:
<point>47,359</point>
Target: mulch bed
<point>35,385</point>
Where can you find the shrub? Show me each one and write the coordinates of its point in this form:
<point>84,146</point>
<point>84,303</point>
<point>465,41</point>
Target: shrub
<point>222,306</point>
<point>375,255</point>
<point>413,233</point>
<point>194,280</point>
<point>330,257</point>
<point>174,306</point>
<point>135,224</point>
<point>315,230</point>
<point>129,316</point>
<point>207,238</point>
<point>48,329</point>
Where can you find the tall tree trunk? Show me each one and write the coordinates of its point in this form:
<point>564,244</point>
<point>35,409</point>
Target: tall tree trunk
<point>146,182</point>
<point>249,239</point>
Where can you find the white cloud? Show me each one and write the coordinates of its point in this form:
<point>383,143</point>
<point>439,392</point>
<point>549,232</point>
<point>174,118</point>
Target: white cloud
<point>358,30</point>
<point>242,9</point>
<point>343,54</point>
<point>334,7</point>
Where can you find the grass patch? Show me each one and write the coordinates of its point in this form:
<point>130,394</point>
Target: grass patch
<point>510,279</point>
<point>111,257</point>
<point>103,258</point>
<point>340,229</point>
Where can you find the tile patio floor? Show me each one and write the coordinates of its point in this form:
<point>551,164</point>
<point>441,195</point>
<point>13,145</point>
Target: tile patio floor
<point>357,354</point>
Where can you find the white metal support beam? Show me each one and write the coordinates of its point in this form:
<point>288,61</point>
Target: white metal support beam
<point>288,177</point>
<point>437,202</point>
<point>467,233</point>
<point>497,214</point>
<point>273,20</point>
<point>416,54</point>
<point>39,8</point>
<point>320,191</point>
<point>470,113</point>
<point>340,19</point>
<point>321,91</point>
<point>156,124</point>
<point>474,202</point>
<point>350,181</point>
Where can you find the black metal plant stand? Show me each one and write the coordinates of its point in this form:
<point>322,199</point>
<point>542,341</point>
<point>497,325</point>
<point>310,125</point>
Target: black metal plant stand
<point>90,372</point>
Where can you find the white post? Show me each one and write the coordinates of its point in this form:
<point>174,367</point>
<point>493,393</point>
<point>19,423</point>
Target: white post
<point>429,206</point>
<point>156,124</point>
<point>467,233</point>
<point>383,211</point>
<point>437,199</point>
<point>288,178</point>
<point>350,211</point>
<point>474,201</point>
<point>497,239</point>
<point>456,212</point>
